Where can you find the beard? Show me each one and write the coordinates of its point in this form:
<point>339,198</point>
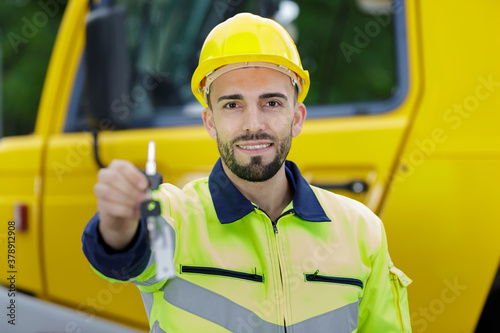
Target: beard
<point>256,170</point>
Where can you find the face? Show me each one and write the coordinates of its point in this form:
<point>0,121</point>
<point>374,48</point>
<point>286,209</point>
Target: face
<point>254,116</point>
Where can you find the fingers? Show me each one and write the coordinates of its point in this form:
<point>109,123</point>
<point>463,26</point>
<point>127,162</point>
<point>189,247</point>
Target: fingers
<point>120,190</point>
<point>117,210</point>
<point>115,194</point>
<point>124,177</point>
<point>130,172</point>
<point>114,186</point>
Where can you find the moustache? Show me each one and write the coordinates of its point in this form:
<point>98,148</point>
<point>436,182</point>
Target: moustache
<point>254,137</point>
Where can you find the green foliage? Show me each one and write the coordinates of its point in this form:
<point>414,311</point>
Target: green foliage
<point>28,31</point>
<point>346,62</point>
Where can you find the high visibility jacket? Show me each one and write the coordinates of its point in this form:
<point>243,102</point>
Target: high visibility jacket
<point>322,266</point>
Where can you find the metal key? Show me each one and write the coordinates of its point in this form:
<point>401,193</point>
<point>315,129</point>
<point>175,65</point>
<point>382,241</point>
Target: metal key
<point>160,238</point>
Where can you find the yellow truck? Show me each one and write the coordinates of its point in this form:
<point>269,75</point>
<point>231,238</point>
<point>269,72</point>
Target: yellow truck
<point>403,116</point>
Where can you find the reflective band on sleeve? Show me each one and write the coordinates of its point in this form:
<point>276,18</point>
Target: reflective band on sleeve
<point>147,281</point>
<point>147,299</point>
<point>213,307</point>
<point>156,328</point>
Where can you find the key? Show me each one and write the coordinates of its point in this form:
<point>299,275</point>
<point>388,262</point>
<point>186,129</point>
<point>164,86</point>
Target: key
<point>160,238</point>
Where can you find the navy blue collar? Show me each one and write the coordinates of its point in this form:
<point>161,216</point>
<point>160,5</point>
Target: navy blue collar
<point>230,205</point>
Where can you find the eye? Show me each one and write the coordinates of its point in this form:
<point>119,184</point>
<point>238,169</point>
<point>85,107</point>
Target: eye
<point>273,104</point>
<point>231,105</point>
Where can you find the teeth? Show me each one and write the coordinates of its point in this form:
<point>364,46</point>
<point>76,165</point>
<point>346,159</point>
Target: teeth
<point>256,147</point>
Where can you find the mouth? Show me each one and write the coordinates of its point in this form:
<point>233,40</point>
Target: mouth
<point>255,147</point>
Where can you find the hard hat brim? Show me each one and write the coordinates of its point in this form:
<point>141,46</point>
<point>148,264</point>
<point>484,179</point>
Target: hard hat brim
<point>212,64</point>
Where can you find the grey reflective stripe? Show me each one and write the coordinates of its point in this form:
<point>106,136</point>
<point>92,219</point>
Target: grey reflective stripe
<point>341,320</point>
<point>215,308</point>
<point>147,299</point>
<point>156,328</point>
<point>153,280</point>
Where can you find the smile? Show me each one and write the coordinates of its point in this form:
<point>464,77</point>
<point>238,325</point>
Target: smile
<point>262,146</point>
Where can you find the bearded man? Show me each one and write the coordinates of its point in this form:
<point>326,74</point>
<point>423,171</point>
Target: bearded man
<point>257,249</point>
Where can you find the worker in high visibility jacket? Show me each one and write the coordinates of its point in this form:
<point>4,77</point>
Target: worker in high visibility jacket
<point>257,249</point>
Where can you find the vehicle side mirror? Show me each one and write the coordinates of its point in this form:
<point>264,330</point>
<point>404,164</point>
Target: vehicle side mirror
<point>107,67</point>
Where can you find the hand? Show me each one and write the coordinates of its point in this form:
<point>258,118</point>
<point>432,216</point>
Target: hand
<point>120,189</point>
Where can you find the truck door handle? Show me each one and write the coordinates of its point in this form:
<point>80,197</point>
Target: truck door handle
<point>356,186</point>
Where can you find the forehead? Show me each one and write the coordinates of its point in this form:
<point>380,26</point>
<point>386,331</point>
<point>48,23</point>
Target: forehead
<point>251,81</point>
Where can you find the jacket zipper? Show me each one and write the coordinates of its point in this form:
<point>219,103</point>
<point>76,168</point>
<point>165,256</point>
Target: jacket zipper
<point>332,279</point>
<point>222,272</point>
<point>280,261</point>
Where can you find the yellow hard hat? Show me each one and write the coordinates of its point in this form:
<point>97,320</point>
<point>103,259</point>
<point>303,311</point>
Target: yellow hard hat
<point>248,40</point>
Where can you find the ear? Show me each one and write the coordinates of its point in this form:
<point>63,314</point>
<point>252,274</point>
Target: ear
<point>208,121</point>
<point>298,119</point>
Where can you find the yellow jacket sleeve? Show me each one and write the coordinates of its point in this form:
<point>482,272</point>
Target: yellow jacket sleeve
<point>384,307</point>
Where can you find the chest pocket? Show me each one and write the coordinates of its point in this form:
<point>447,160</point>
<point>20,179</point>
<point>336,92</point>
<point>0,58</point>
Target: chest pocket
<point>222,272</point>
<point>315,277</point>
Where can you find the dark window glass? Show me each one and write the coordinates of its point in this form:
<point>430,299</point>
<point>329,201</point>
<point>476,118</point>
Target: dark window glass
<point>349,48</point>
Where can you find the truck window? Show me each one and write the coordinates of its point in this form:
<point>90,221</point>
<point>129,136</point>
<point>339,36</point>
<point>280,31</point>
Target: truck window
<point>356,56</point>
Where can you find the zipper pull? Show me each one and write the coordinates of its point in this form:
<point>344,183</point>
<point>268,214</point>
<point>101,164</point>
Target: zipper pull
<point>255,273</point>
<point>315,274</point>
<point>275,227</point>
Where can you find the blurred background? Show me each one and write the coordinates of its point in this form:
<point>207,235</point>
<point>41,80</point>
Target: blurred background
<point>26,49</point>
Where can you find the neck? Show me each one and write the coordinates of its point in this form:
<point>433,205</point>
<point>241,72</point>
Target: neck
<point>272,195</point>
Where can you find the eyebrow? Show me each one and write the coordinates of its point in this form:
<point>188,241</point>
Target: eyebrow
<point>263,96</point>
<point>235,96</point>
<point>275,94</point>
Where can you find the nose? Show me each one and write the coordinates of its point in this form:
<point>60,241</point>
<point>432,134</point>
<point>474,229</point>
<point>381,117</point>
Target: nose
<point>253,120</point>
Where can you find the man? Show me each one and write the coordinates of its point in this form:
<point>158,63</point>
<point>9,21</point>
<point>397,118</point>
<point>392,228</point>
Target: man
<point>257,249</point>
